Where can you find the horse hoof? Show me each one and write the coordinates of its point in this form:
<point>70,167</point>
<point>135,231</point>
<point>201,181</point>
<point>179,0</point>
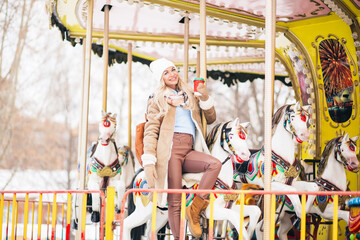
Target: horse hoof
<point>74,224</point>
<point>95,217</point>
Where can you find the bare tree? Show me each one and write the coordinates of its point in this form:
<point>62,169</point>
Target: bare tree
<point>14,21</point>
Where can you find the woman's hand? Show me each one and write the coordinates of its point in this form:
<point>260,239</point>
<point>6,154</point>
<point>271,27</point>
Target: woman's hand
<point>202,90</point>
<point>151,175</point>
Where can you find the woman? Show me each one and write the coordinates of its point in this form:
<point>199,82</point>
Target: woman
<point>173,131</point>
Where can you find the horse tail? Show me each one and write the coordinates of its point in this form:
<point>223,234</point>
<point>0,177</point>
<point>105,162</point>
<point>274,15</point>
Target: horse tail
<point>139,231</point>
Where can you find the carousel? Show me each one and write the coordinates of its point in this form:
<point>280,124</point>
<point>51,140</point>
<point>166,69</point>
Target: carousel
<point>311,46</point>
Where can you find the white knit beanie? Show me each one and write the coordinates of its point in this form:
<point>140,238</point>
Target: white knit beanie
<point>158,67</point>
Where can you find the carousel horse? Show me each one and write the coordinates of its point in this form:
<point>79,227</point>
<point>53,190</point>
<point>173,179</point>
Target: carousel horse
<point>290,128</point>
<point>228,144</point>
<point>108,165</point>
<point>339,154</point>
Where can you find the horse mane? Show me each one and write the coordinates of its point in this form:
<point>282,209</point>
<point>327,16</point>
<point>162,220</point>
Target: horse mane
<point>325,155</point>
<point>213,135</point>
<point>277,117</point>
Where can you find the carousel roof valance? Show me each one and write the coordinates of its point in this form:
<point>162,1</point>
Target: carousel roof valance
<point>234,30</point>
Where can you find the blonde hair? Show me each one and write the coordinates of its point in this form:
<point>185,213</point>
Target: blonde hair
<point>163,91</point>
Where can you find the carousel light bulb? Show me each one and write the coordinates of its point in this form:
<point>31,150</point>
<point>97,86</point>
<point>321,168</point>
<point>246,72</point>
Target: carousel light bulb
<point>221,22</point>
<point>130,2</point>
<point>140,4</point>
<point>161,8</point>
<point>309,90</point>
<point>354,35</point>
<point>211,20</point>
<point>310,101</point>
<point>151,6</point>
<point>311,152</point>
<point>311,141</point>
<point>230,24</point>
<point>239,26</point>
<point>120,1</point>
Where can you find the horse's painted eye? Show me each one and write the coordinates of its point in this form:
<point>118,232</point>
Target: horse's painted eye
<point>303,117</point>
<point>242,135</point>
<point>352,147</point>
<point>106,123</point>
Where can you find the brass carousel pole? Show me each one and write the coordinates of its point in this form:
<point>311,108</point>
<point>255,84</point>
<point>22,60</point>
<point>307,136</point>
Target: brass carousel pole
<point>203,49</point>
<point>186,48</point>
<point>198,64</point>
<point>129,61</point>
<point>106,10</point>
<point>85,111</point>
<point>270,25</point>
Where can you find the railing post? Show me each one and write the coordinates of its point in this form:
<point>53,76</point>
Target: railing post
<point>242,200</point>
<point>211,220</point>
<point>272,217</point>
<point>68,216</point>
<point>110,212</point>
<point>335,218</point>
<point>153,220</point>
<point>1,213</point>
<point>303,217</point>
<point>26,209</point>
<point>182,215</point>
<point>53,218</point>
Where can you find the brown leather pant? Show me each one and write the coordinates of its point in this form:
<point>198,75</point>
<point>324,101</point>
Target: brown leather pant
<point>184,159</point>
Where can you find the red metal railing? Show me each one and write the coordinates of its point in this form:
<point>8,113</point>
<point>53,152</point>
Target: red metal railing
<point>20,209</point>
<point>241,193</point>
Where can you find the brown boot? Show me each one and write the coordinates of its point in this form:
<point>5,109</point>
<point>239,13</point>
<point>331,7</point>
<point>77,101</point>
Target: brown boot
<point>193,214</point>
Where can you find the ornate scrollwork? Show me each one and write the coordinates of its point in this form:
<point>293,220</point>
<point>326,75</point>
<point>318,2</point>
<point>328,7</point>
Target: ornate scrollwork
<point>344,125</point>
<point>334,126</point>
<point>356,84</point>
<point>352,62</point>
<point>340,133</point>
<point>321,87</point>
<point>318,68</point>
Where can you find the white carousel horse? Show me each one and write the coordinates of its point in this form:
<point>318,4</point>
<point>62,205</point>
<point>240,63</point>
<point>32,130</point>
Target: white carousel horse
<point>290,128</point>
<point>338,154</point>
<point>108,165</point>
<point>228,143</point>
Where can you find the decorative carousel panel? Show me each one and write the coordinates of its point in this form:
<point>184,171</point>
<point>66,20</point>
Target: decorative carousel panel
<point>338,83</point>
<point>301,71</point>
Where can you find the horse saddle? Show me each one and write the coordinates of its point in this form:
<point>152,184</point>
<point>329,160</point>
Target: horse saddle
<point>190,179</point>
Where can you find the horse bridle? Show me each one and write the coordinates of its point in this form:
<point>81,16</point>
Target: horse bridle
<point>225,137</point>
<point>288,122</point>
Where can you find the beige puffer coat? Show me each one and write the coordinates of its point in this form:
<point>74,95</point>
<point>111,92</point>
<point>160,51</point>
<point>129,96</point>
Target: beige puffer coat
<point>158,138</point>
